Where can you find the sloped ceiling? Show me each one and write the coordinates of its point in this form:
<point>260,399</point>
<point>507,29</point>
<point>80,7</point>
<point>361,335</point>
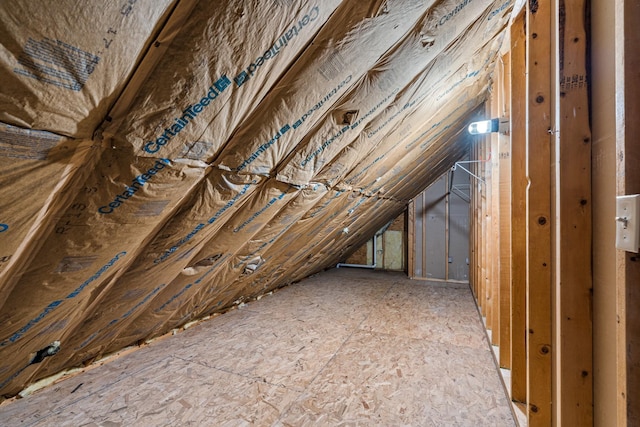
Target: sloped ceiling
<point>165,159</point>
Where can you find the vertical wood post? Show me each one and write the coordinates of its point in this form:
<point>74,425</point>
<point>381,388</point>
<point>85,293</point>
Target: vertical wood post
<point>447,221</point>
<point>411,239</point>
<point>504,156</point>
<point>484,198</point>
<point>573,282</point>
<point>539,218</point>
<point>494,222</point>
<point>628,173</point>
<point>518,212</point>
<point>476,233</point>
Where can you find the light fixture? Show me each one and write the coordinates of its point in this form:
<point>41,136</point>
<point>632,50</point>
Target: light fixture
<point>489,126</point>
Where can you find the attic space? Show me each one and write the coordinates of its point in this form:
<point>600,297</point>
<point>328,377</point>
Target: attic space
<point>170,168</point>
<point>346,346</point>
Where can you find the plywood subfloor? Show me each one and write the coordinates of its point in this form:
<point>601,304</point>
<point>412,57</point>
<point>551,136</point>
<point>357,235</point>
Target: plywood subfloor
<point>346,347</point>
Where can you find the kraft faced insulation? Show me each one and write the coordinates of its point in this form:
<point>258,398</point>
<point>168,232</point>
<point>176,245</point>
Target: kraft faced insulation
<point>165,160</point>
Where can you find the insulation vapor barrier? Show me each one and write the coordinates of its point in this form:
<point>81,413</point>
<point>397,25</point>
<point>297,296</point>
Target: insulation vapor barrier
<point>202,77</point>
<point>63,65</point>
<point>35,165</point>
<point>161,161</point>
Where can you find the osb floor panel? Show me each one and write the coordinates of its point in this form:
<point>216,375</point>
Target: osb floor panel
<point>347,347</point>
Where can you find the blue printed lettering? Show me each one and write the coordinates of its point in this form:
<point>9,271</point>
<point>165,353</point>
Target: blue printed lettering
<point>454,12</point>
<point>498,10</point>
<point>201,226</point>
<point>137,182</point>
<point>55,304</point>
<point>280,43</point>
<point>189,114</point>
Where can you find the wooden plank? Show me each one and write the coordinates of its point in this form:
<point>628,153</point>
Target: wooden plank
<point>406,237</point>
<point>475,196</point>
<point>574,346</point>
<point>485,303</point>
<point>478,231</point>
<point>603,115</point>
<point>447,220</point>
<point>474,223</point>
<point>478,224</point>
<point>495,238</point>
<point>486,232</point>
<point>425,235</point>
<point>411,240</point>
<point>482,249</point>
<point>473,226</point>
<point>505,219</point>
<point>518,212</point>
<point>539,255</point>
<point>628,173</point>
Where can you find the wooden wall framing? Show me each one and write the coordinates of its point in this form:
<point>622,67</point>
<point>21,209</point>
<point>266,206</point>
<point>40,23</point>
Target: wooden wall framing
<point>533,282</point>
<point>539,110</point>
<point>518,212</point>
<point>627,154</point>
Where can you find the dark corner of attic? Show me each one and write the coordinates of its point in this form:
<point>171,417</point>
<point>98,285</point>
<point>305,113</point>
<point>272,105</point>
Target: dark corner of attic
<point>293,212</point>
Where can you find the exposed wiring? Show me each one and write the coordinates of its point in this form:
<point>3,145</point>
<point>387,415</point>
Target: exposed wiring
<point>459,165</point>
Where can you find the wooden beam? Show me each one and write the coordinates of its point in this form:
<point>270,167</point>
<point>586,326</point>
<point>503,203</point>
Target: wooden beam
<point>573,282</point>
<point>472,229</point>
<point>411,239</point>
<point>484,198</point>
<point>628,173</point>
<point>479,236</point>
<point>482,297</point>
<point>539,220</point>
<point>494,224</point>
<point>518,212</point>
<point>603,114</point>
<point>475,195</point>
<point>424,234</point>
<point>504,159</point>
<point>447,220</point>
<point>477,228</point>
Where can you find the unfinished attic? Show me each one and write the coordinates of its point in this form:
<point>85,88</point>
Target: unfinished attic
<point>175,163</point>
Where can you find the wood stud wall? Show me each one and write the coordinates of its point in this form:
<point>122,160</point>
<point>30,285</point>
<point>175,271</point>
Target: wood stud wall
<point>493,215</point>
<point>531,217</point>
<point>539,217</point>
<point>518,213</point>
<point>574,291</point>
<point>628,182</point>
<point>504,218</point>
